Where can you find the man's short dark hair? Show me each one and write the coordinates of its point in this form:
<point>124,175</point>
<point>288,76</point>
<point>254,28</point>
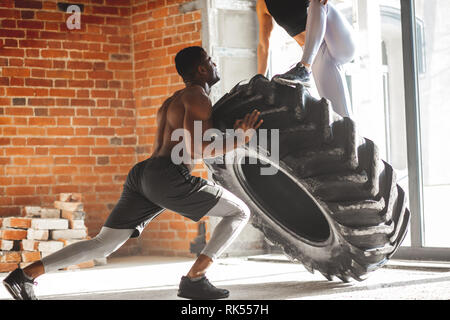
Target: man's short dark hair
<point>187,60</point>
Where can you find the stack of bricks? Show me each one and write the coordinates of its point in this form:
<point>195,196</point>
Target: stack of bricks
<point>42,231</point>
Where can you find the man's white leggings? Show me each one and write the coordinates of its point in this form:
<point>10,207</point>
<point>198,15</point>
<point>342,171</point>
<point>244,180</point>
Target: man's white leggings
<point>329,45</point>
<point>234,212</point>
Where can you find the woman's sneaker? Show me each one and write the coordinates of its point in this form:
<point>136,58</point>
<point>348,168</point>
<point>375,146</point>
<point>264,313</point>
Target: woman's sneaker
<point>297,75</point>
<point>200,289</point>
<point>19,285</point>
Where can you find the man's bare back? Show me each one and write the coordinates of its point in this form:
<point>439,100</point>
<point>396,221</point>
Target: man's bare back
<point>169,118</point>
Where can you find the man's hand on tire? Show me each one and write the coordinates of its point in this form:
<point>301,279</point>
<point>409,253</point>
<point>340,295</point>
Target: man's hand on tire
<point>249,122</point>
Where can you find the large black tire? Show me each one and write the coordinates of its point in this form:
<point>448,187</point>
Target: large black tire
<point>334,205</point>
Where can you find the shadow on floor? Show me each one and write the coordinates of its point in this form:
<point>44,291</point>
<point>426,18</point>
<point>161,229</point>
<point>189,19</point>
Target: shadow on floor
<point>259,291</point>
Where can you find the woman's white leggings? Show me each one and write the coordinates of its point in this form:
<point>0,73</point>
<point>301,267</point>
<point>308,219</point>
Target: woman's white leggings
<point>234,212</point>
<point>329,44</point>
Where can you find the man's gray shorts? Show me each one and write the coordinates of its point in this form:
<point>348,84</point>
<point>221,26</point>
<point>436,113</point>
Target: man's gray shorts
<point>156,184</point>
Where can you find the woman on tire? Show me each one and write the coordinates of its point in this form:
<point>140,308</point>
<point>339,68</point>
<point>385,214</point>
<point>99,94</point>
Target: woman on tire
<point>327,45</point>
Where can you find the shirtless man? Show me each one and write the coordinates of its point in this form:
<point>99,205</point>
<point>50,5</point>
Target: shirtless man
<point>156,184</point>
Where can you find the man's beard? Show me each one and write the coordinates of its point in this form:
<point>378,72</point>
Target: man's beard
<point>215,78</point>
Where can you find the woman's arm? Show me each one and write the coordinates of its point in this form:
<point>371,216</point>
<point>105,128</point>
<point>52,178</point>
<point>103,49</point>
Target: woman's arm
<point>265,29</point>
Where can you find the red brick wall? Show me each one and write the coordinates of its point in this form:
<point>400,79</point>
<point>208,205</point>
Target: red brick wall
<point>77,107</point>
<point>159,32</point>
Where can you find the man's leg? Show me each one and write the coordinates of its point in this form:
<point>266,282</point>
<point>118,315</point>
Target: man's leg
<point>106,242</point>
<point>235,215</point>
<point>19,282</point>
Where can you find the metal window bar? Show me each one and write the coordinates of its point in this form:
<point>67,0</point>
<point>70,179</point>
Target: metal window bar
<point>410,65</point>
<point>387,112</point>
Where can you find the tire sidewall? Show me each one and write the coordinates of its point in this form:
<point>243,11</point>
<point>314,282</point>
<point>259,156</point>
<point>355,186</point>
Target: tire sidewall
<point>316,254</point>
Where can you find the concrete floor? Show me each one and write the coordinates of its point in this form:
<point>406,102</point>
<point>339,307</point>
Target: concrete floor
<point>248,278</point>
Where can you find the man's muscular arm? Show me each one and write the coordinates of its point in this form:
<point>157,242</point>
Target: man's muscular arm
<point>198,107</point>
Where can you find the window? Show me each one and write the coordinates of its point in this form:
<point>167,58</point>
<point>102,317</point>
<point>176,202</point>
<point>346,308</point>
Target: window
<point>434,98</point>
